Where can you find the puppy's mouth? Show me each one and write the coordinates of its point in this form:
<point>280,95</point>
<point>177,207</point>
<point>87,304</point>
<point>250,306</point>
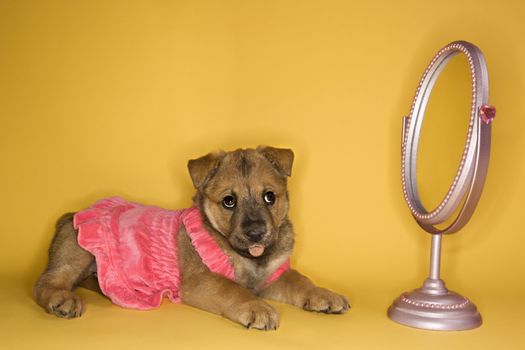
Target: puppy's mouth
<point>256,250</point>
<point>252,251</point>
<point>252,246</point>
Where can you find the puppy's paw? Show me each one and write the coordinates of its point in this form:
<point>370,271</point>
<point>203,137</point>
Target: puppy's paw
<point>323,300</point>
<point>65,304</point>
<point>258,314</point>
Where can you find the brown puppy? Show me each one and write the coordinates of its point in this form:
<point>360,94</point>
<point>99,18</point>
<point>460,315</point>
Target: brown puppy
<point>244,201</point>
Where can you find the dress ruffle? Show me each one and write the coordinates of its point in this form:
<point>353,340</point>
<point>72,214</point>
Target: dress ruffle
<point>135,251</point>
<point>209,251</point>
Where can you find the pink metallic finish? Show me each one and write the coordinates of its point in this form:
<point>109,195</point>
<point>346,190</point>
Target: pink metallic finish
<point>433,306</point>
<point>471,172</point>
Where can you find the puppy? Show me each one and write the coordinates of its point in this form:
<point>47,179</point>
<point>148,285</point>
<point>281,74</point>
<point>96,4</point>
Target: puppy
<point>241,205</point>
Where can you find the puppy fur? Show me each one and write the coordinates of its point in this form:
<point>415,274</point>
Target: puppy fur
<point>256,179</point>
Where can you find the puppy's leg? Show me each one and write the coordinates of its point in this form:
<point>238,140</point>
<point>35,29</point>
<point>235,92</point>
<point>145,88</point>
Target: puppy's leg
<point>213,293</point>
<point>68,265</point>
<point>296,289</point>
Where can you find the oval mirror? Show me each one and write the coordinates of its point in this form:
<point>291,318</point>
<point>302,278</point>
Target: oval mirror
<point>443,132</point>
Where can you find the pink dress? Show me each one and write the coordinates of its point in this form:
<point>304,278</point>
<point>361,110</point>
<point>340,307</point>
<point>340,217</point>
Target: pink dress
<point>135,248</point>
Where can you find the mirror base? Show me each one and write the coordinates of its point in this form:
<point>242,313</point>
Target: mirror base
<point>434,307</point>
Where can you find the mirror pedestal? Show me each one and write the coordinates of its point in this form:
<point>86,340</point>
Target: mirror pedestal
<point>433,306</point>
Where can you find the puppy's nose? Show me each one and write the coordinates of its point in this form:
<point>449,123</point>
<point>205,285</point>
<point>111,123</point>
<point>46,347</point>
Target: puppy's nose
<point>255,235</point>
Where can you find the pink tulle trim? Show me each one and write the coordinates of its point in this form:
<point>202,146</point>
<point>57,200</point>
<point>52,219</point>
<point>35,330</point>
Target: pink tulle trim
<point>209,251</point>
<point>275,276</point>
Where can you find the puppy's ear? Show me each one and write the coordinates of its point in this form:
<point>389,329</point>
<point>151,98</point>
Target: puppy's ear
<point>281,158</point>
<point>202,169</point>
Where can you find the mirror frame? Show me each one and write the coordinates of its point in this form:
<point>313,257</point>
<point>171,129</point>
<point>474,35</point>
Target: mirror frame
<point>468,182</point>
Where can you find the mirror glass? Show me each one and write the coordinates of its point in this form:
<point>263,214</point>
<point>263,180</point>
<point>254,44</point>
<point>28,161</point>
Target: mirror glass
<point>444,131</point>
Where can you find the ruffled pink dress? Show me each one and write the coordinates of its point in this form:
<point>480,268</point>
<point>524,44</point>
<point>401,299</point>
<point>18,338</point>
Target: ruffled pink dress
<point>135,248</point>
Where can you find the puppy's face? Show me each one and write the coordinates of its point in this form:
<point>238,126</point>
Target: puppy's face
<point>243,195</point>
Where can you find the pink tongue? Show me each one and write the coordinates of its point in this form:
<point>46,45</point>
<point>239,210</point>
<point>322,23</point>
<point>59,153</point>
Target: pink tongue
<point>256,250</point>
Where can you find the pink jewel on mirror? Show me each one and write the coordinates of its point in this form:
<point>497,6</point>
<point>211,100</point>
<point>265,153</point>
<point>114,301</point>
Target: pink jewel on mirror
<point>487,113</point>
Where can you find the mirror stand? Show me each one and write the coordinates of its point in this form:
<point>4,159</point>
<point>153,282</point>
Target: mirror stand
<point>433,306</point>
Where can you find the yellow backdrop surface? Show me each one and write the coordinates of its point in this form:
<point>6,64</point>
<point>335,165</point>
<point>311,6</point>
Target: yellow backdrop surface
<point>101,98</point>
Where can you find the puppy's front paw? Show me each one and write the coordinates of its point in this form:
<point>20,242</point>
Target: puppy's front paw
<point>323,300</point>
<point>258,314</point>
<point>65,304</point>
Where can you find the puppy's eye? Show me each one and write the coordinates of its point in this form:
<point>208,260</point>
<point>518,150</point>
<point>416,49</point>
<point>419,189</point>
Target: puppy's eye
<point>229,202</point>
<point>269,197</point>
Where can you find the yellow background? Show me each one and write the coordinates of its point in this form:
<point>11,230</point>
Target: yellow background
<point>102,98</point>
